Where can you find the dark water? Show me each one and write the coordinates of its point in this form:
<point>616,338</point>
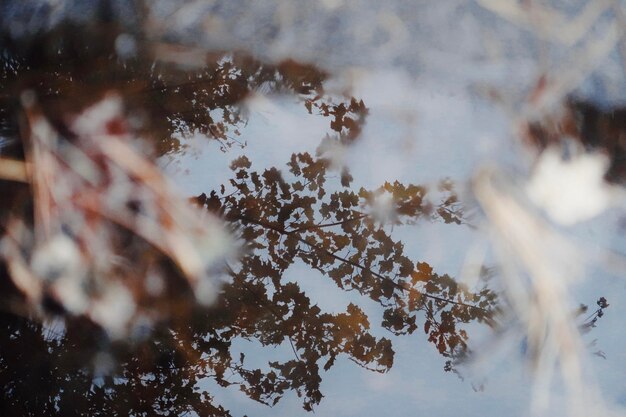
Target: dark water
<point>201,231</point>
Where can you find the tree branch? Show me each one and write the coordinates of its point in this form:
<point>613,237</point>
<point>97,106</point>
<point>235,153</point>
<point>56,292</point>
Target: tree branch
<point>320,226</point>
<point>354,264</point>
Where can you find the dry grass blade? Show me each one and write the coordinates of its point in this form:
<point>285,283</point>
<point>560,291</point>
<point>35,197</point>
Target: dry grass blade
<point>540,267</point>
<point>548,23</point>
<point>13,170</point>
<point>83,190</point>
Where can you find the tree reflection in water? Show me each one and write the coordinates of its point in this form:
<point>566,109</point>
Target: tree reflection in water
<point>298,214</point>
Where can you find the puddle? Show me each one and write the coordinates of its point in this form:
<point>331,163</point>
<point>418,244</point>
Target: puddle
<point>190,228</point>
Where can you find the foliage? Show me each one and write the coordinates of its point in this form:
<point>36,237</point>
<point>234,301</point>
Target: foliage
<point>297,216</point>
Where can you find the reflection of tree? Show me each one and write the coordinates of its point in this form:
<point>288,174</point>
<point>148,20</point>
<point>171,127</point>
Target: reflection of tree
<point>283,222</point>
<point>299,221</point>
<point>161,97</point>
<point>299,218</point>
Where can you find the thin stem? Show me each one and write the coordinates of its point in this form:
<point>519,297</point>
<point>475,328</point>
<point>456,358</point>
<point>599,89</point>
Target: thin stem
<point>320,226</point>
<point>354,264</point>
